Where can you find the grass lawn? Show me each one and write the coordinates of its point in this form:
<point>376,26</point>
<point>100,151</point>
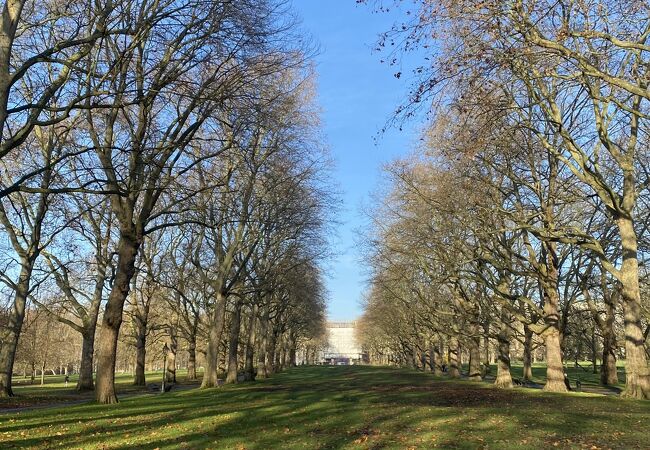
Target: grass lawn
<point>584,373</point>
<point>339,407</point>
<point>55,391</point>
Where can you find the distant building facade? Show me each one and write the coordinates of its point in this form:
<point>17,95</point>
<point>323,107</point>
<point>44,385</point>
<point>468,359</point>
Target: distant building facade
<point>342,345</point>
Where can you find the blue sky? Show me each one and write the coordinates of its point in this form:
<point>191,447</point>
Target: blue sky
<point>357,94</point>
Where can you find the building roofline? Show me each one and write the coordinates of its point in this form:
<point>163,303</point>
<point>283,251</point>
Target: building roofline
<point>350,324</point>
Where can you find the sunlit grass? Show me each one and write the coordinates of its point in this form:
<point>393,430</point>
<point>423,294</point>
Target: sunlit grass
<point>54,389</point>
<point>339,407</point>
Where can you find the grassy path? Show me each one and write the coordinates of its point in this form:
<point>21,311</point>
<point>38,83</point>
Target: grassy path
<point>339,407</point>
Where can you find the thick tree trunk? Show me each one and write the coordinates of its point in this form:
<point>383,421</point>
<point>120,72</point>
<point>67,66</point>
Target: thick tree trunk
<point>292,356</point>
<point>249,369</point>
<point>107,351</point>
<point>282,360</point>
<point>608,373</point>
<point>11,332</point>
<point>170,370</point>
<point>233,344</point>
<point>11,14</point>
<point>437,362</point>
<point>552,336</point>
<point>549,282</point>
<point>434,358</point>
<point>270,354</point>
<point>222,360</point>
<point>485,369</point>
<point>264,344</point>
<point>211,358</point>
<point>474,352</point>
<point>527,374</point>
<point>503,379</point>
<point>85,382</point>
<point>453,357</point>
<point>637,373</point>
<point>413,358</point>
<point>554,366</point>
<point>292,351</point>
<point>9,343</point>
<point>214,338</point>
<point>139,378</point>
<point>474,360</point>
<point>262,363</point>
<point>191,359</point>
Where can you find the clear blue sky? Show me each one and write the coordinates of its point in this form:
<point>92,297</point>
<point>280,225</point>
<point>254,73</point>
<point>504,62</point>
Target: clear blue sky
<point>357,94</point>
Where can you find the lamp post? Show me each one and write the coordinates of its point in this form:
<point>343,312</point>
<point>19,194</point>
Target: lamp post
<point>164,373</point>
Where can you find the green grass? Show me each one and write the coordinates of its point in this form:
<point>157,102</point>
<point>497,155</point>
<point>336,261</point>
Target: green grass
<point>583,373</point>
<point>55,391</point>
<point>339,407</point>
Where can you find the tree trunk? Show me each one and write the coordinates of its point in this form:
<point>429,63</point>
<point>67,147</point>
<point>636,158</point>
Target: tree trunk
<point>549,283</point>
<point>554,366</point>
<point>282,360</point>
<point>264,344</point>
<point>504,379</point>
<point>292,351</point>
<point>191,360</point>
<point>139,378</point>
<point>552,337</point>
<point>170,370</point>
<point>262,363</point>
<point>280,355</point>
<point>413,357</point>
<point>11,14</point>
<point>214,338</point>
<point>9,343</point>
<point>85,382</point>
<point>486,351</point>
<point>637,373</point>
<point>474,360</point>
<point>528,354</point>
<point>608,373</point>
<point>107,352</point>
<point>434,358</point>
<point>233,344</point>
<point>474,352</point>
<point>437,352</point>
<point>249,370</point>
<point>270,354</point>
<point>594,350</point>
<point>211,358</point>
<point>11,332</point>
<point>453,357</point>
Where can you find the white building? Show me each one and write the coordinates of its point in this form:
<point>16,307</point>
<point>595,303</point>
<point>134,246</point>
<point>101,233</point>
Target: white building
<point>342,344</point>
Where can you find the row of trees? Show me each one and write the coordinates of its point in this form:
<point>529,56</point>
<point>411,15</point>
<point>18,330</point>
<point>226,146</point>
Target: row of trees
<point>525,213</point>
<point>160,159</point>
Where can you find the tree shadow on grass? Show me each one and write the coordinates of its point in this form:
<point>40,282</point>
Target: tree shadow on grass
<point>337,407</point>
